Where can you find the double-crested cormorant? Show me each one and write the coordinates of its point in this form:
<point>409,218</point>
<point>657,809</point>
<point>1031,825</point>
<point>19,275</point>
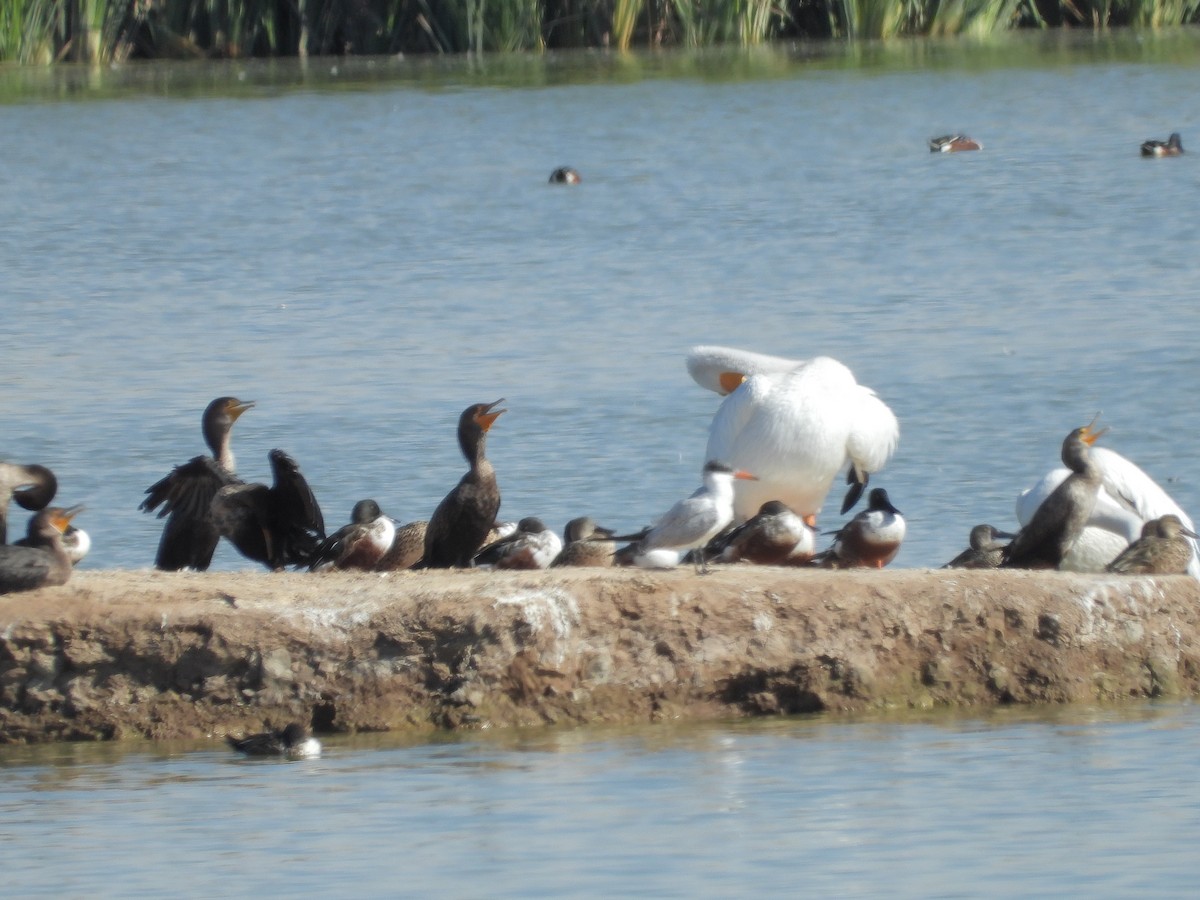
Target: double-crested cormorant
<point>359,545</point>
<point>32,486</point>
<point>294,742</point>
<point>75,541</point>
<point>41,560</point>
<point>586,544</point>
<point>869,540</point>
<point>191,534</point>
<point>531,546</point>
<point>278,526</point>
<point>953,143</point>
<point>1163,549</point>
<point>774,536</point>
<point>1127,499</point>
<point>1061,517</point>
<point>1173,146</point>
<point>690,524</point>
<point>460,524</point>
<point>794,424</point>
<point>985,551</point>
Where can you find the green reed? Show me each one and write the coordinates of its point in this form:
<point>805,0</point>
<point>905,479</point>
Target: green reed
<point>41,31</point>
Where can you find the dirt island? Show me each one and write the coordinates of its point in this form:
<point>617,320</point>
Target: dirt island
<point>117,654</point>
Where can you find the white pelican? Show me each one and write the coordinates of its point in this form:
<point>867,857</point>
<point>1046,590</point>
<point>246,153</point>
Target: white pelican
<point>690,524</point>
<point>870,540</point>
<point>1128,498</point>
<point>794,424</point>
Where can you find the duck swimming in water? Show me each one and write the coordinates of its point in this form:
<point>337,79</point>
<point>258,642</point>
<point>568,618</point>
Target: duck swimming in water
<point>869,540</point>
<point>293,742</point>
<point>1163,549</point>
<point>185,496</point>
<point>32,486</point>
<point>953,143</point>
<point>461,522</point>
<point>1060,519</point>
<point>359,545</point>
<point>41,561</point>
<point>1172,146</point>
<point>795,424</point>
<point>565,175</point>
<point>278,526</point>
<point>985,551</point>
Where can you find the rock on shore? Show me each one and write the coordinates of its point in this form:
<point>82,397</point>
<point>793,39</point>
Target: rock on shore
<point>175,655</point>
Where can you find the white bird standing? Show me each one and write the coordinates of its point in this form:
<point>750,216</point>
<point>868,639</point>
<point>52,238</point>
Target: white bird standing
<point>795,424</point>
<point>690,524</point>
<point>1128,498</point>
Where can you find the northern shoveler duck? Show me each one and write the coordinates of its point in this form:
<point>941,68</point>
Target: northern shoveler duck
<point>565,175</point>
<point>774,536</point>
<point>1165,548</point>
<point>1173,146</point>
<point>294,742</point>
<point>953,143</point>
<point>586,544</point>
<point>870,540</point>
<point>985,551</point>
<point>531,546</point>
<point>359,545</point>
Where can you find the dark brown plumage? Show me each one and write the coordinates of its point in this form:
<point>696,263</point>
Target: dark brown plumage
<point>985,551</point>
<point>278,526</point>
<point>461,522</point>
<point>1059,521</point>
<point>1163,549</point>
<point>190,535</point>
<point>43,560</point>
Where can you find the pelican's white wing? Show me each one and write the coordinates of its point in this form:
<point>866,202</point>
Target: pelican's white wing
<point>706,364</point>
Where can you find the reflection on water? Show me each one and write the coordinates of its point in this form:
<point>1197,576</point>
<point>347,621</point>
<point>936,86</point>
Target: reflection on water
<point>1095,801</point>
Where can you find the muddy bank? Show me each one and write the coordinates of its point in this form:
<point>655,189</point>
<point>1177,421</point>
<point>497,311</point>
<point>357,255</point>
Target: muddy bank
<point>167,655</point>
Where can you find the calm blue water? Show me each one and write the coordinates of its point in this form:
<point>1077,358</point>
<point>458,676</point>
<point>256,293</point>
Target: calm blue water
<point>1019,804</point>
<point>367,263</point>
